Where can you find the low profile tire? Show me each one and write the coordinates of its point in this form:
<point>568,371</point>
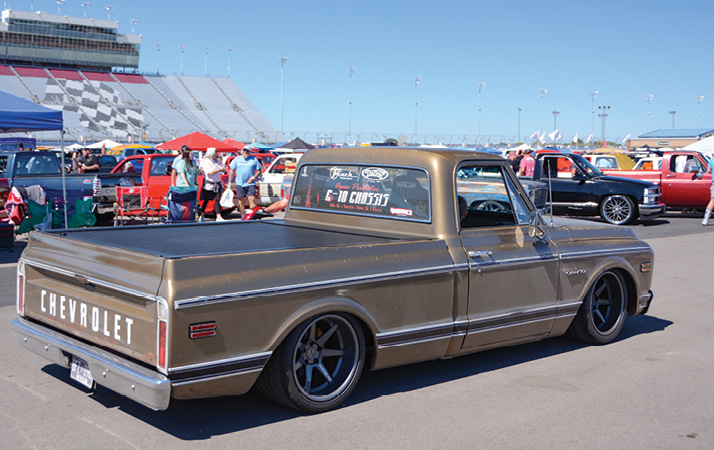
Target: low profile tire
<point>618,210</point>
<point>317,366</point>
<point>602,314</point>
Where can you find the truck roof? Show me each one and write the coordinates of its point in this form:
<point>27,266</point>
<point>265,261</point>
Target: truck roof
<point>403,156</point>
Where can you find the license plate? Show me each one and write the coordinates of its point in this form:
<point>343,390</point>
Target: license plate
<point>80,372</point>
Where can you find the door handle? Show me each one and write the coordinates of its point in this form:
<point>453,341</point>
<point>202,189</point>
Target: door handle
<point>669,175</point>
<point>479,254</point>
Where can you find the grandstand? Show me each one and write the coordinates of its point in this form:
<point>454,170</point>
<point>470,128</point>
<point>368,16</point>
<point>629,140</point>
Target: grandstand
<point>99,102</point>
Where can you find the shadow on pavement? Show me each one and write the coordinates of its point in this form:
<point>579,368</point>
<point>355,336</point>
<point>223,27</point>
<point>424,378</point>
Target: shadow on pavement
<point>193,420</point>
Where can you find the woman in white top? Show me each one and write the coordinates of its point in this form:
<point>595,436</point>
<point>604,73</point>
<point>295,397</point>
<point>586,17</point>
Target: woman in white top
<point>212,168</point>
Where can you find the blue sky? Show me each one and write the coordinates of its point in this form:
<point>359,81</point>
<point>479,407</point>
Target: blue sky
<point>623,49</point>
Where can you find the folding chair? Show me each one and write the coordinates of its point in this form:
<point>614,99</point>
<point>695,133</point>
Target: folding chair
<point>133,203</point>
<point>182,204</point>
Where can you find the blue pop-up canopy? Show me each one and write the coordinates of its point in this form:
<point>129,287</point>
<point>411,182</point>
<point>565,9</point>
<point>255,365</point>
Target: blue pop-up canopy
<point>18,114</point>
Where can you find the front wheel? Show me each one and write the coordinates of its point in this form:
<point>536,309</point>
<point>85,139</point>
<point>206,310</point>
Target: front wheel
<point>317,367</point>
<point>618,209</point>
<point>602,313</point>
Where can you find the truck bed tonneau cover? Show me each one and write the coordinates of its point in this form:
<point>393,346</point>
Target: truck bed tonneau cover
<point>186,240</point>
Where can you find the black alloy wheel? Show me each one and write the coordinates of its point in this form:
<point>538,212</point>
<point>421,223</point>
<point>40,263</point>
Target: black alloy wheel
<point>602,314</point>
<point>317,367</point>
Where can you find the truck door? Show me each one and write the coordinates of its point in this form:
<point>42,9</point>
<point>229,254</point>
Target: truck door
<point>681,186</point>
<point>571,189</point>
<point>513,278</point>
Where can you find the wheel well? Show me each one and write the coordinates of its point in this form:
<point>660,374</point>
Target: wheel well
<point>369,342</point>
<point>630,290</point>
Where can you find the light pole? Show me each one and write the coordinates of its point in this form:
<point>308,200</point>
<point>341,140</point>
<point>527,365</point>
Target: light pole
<point>542,93</point>
<point>283,61</point>
<point>109,11</point>
<point>555,121</point>
<point>205,59</point>
<point>182,47</point>
<point>603,114</point>
<point>673,114</point>
<point>699,112</point>
<point>86,5</point>
<point>230,49</point>
<point>481,86</point>
<point>351,70</point>
<point>158,52</point>
<point>59,3</point>
<point>417,80</point>
<point>593,96</point>
<point>519,124</point>
<point>133,22</point>
<point>648,97</point>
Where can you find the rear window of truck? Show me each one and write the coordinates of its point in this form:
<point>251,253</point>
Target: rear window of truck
<point>378,191</point>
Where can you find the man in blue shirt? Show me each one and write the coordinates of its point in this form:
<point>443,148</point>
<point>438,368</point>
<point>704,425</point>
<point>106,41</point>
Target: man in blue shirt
<point>246,169</point>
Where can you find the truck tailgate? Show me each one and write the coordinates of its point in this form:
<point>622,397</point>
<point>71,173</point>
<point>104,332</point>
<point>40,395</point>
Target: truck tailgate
<point>104,295</point>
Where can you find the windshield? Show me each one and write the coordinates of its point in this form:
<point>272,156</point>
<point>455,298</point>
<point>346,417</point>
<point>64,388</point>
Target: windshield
<point>586,166</point>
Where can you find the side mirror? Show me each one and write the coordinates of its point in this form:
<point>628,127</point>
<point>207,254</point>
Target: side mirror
<point>535,225</point>
<point>579,176</point>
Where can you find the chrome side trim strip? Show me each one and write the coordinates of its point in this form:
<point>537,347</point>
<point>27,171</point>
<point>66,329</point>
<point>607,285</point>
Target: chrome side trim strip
<point>222,362</point>
<point>91,280</point>
<point>617,251</point>
<point>293,288</point>
<point>510,324</point>
<point>215,377</point>
<point>516,261</point>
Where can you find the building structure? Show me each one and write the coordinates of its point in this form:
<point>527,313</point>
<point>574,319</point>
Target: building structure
<point>670,138</point>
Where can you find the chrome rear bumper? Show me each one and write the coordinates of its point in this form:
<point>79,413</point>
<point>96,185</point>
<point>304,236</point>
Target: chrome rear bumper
<point>127,378</point>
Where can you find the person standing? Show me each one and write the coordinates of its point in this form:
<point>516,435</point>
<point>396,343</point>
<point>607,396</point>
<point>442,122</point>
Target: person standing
<point>87,162</point>
<point>710,206</point>
<point>175,162</point>
<point>247,170</point>
<point>527,166</point>
<point>212,168</point>
<point>185,170</point>
<point>514,160</point>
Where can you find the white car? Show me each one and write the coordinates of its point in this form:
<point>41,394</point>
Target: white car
<point>270,186</point>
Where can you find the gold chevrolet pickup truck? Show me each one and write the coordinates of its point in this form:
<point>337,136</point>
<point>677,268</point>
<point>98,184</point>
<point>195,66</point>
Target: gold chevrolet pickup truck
<point>385,257</point>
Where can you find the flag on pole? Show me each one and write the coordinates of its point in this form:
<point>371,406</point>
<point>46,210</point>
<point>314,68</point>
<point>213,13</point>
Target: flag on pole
<point>625,140</point>
<point>575,138</point>
<point>534,135</point>
<point>558,136</point>
<point>589,139</point>
<point>542,138</point>
<point>553,136</point>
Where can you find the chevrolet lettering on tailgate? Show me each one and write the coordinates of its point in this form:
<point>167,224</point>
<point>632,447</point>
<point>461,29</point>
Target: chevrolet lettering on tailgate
<point>385,257</point>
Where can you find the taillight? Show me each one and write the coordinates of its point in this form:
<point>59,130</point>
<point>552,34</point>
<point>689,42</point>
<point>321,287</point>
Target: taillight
<point>21,288</point>
<point>97,186</point>
<point>162,336</point>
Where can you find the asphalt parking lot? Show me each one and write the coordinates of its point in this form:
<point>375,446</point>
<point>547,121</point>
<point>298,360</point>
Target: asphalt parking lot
<point>652,388</point>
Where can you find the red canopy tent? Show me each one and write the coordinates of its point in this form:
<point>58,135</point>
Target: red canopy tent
<point>197,141</point>
<point>237,144</point>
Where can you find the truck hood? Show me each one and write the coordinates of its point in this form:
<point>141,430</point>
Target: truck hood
<point>642,183</point>
<point>580,230</point>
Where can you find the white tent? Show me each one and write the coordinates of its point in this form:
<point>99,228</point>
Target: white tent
<point>108,143</point>
<point>705,145</point>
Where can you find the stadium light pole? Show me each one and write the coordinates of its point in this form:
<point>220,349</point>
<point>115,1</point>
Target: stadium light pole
<point>182,47</point>
<point>417,80</point>
<point>481,85</point>
<point>542,93</point>
<point>133,22</point>
<point>603,114</point>
<point>593,96</point>
<point>158,52</point>
<point>519,124</point>
<point>699,112</point>
<point>351,70</point>
<point>59,3</point>
<point>648,97</point>
<point>230,49</point>
<point>555,120</point>
<point>205,59</point>
<point>109,11</point>
<point>86,5</point>
<point>673,114</point>
<point>283,60</point>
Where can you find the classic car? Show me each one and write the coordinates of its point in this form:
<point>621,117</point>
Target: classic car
<point>375,265</point>
<point>682,178</point>
<point>580,189</point>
